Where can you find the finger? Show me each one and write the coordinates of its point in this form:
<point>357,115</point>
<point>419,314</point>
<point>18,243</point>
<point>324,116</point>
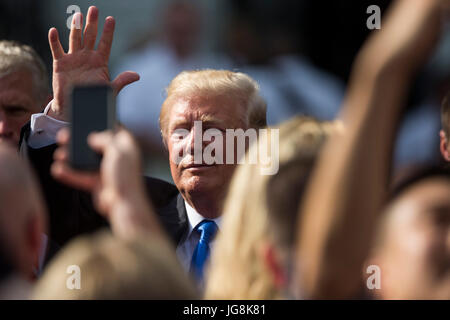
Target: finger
<point>63,136</point>
<point>86,181</point>
<point>98,141</point>
<point>75,33</point>
<point>100,205</point>
<point>55,45</point>
<point>90,31</point>
<point>124,79</point>
<point>125,140</point>
<point>104,46</point>
<point>61,154</point>
<point>104,199</point>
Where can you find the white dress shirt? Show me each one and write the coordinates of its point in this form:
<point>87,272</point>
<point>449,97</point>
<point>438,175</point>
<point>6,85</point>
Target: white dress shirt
<point>186,248</point>
<point>44,128</point>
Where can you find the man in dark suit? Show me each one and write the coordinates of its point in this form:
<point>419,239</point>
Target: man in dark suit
<point>189,211</point>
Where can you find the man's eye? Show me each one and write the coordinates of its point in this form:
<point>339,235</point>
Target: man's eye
<point>179,134</point>
<point>214,128</point>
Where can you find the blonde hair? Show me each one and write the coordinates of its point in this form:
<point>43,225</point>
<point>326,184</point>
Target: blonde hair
<point>209,82</point>
<point>261,209</point>
<point>111,268</point>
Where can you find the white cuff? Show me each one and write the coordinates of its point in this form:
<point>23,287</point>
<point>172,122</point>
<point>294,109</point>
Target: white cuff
<point>44,129</point>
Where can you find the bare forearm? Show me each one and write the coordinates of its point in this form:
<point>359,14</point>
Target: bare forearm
<point>133,217</point>
<point>349,186</point>
<point>350,180</point>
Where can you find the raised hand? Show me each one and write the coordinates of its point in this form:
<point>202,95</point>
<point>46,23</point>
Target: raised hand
<point>83,64</point>
<point>117,189</point>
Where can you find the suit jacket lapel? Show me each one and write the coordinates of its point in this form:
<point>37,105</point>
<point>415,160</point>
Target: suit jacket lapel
<point>174,218</point>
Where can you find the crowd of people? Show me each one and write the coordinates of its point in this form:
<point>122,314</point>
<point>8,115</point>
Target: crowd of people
<point>334,209</point>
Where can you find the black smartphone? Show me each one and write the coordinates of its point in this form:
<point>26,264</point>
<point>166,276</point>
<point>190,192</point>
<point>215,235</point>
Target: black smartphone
<point>93,108</point>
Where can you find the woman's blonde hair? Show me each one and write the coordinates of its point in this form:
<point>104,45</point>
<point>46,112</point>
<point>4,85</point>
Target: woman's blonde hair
<point>208,82</point>
<point>111,268</point>
<point>260,209</point>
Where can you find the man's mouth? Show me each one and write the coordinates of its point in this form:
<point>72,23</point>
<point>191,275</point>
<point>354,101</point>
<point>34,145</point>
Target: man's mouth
<point>198,166</point>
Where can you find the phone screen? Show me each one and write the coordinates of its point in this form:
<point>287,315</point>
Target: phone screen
<point>92,109</point>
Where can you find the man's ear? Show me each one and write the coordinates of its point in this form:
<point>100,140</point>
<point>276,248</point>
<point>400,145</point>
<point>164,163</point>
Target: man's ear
<point>274,264</point>
<point>444,146</point>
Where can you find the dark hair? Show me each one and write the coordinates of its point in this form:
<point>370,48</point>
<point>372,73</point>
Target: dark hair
<point>415,176</point>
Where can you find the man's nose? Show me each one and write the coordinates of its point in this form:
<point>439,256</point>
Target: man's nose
<point>195,141</point>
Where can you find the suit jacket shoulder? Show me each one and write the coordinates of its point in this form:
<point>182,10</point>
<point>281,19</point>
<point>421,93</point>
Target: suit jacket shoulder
<point>169,206</point>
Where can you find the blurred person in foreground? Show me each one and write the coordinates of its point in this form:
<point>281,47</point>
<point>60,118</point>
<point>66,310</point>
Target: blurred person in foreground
<point>24,88</point>
<point>349,185</point>
<point>23,220</point>
<point>12,284</point>
<point>117,269</point>
<point>218,99</point>
<point>412,239</point>
<point>253,254</point>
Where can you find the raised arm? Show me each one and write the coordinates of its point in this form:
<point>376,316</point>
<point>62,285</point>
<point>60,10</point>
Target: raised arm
<point>118,189</point>
<point>349,184</point>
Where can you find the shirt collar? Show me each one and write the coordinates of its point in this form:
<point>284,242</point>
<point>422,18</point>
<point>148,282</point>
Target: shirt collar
<point>195,218</point>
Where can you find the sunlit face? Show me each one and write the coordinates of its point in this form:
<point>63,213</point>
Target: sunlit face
<point>215,112</point>
<point>415,262</point>
<point>17,104</point>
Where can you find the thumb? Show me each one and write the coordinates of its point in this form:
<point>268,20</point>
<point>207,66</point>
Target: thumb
<point>99,141</point>
<point>124,79</point>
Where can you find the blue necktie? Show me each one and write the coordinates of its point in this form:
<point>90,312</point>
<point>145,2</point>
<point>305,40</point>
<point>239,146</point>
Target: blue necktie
<point>207,230</point>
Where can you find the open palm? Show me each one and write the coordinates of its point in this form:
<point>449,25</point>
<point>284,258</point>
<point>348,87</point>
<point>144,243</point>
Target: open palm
<point>83,64</point>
